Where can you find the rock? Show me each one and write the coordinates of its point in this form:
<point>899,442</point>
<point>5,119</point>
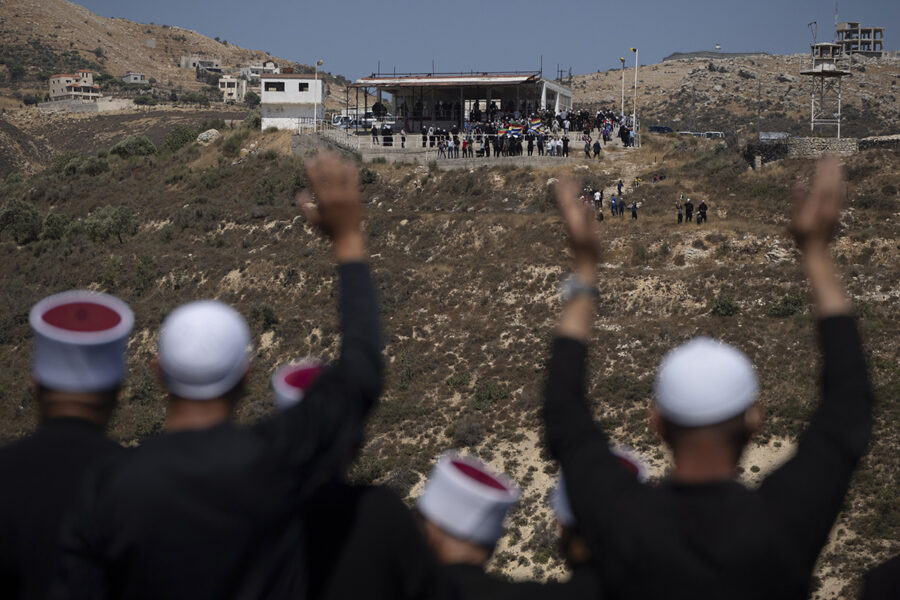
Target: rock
<point>785,78</point>
<point>208,136</point>
<point>716,88</point>
<point>553,180</point>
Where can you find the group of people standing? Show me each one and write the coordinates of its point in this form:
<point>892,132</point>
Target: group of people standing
<point>684,209</point>
<point>211,509</point>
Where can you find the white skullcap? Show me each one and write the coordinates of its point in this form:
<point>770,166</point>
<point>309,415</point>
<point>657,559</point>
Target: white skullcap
<point>204,349</point>
<point>559,499</point>
<point>703,382</point>
<point>80,341</point>
<point>466,499</point>
<point>291,381</point>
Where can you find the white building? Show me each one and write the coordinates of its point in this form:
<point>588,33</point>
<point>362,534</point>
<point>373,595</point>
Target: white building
<point>252,72</point>
<point>192,61</point>
<point>79,86</point>
<point>233,89</point>
<point>133,77</point>
<point>288,100</point>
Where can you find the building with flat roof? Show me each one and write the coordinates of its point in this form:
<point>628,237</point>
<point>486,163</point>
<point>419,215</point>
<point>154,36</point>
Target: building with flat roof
<point>233,89</point>
<point>77,86</point>
<point>133,77</point>
<point>854,39</point>
<point>291,101</point>
<point>447,99</point>
<point>204,63</point>
<point>252,72</point>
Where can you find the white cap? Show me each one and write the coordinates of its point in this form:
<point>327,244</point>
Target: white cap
<point>466,499</point>
<point>204,349</point>
<point>80,341</point>
<point>291,381</point>
<point>703,382</point>
<point>559,499</point>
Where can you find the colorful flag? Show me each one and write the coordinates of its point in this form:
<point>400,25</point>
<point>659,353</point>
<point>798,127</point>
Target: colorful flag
<point>515,129</point>
<point>535,123</point>
<point>502,131</point>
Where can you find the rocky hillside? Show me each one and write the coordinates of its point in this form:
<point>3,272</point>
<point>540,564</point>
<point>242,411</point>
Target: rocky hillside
<point>467,263</point>
<point>703,94</point>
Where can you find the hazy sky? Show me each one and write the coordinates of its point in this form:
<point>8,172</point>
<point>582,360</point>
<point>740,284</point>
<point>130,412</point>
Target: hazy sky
<point>490,35</point>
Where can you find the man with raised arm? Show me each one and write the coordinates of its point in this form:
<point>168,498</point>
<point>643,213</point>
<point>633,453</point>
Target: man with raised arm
<point>702,534</point>
<point>210,509</point>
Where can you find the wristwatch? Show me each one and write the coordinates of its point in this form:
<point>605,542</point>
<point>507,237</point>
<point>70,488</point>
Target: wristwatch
<point>573,286</point>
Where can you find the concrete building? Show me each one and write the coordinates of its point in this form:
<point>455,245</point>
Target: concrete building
<point>80,86</point>
<point>133,77</point>
<point>288,100</point>
<point>252,72</point>
<point>853,39</point>
<point>233,89</point>
<point>447,99</point>
<point>206,63</point>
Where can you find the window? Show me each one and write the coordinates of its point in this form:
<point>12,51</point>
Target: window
<point>303,86</point>
<point>274,86</point>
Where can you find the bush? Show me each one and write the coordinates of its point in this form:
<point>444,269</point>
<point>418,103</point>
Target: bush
<point>105,223</point>
<point>724,305</point>
<point>31,99</point>
<point>55,226</point>
<point>786,306</point>
<point>22,220</point>
<point>487,393</point>
<point>145,100</point>
<point>232,144</point>
<point>178,137</point>
<point>265,315</point>
<point>251,99</point>
<point>467,432</point>
<point>253,120</point>
<point>93,166</point>
<point>136,145</point>
<point>367,175</point>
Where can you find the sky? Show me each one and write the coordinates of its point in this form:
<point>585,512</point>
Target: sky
<point>352,36</point>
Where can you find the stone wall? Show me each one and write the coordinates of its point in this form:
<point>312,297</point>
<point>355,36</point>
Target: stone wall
<point>809,147</point>
<point>883,141</point>
<point>78,106</point>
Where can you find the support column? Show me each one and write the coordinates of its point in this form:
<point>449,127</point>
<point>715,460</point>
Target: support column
<point>462,108</point>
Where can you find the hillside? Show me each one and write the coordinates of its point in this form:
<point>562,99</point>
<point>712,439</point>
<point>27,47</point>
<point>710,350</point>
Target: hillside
<point>703,94</point>
<point>467,263</point>
<point>43,36</point>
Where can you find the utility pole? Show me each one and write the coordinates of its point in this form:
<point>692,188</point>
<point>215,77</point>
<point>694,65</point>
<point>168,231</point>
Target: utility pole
<point>758,105</point>
<point>622,109</point>
<point>634,122</point>
<point>319,63</point>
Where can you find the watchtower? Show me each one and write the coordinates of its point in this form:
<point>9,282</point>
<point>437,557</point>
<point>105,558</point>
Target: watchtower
<point>829,67</point>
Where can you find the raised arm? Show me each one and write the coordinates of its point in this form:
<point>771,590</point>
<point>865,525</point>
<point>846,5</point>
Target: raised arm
<point>592,473</point>
<point>808,490</point>
<point>328,423</point>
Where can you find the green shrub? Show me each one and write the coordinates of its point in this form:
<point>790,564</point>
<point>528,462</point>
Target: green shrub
<point>251,99</point>
<point>93,166</point>
<point>145,100</point>
<point>723,305</point>
<point>253,120</point>
<point>232,144</point>
<point>61,161</point>
<point>367,176</point>
<point>786,306</point>
<point>55,226</point>
<point>136,145</point>
<point>265,315</point>
<point>105,223</point>
<point>487,393</point>
<point>22,220</point>
<point>178,137</point>
<point>467,433</point>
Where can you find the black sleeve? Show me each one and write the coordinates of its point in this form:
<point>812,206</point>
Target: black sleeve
<point>595,481</point>
<point>323,428</point>
<point>806,492</point>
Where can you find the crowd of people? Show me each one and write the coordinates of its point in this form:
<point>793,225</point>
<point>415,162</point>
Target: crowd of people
<point>212,509</point>
<point>514,133</point>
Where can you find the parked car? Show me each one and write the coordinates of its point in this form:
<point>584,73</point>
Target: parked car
<point>660,129</point>
<point>714,135</point>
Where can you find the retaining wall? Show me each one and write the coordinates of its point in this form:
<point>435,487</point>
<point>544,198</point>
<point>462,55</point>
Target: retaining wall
<point>809,147</point>
<point>77,106</point>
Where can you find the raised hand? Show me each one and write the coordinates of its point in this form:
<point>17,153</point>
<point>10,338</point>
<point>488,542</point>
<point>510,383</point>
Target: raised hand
<point>816,211</point>
<point>335,205</point>
<point>580,224</point>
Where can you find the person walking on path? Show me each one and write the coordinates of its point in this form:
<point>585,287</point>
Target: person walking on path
<point>634,210</point>
<point>701,532</point>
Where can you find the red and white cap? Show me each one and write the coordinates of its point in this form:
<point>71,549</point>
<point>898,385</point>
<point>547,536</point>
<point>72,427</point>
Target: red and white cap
<point>204,349</point>
<point>464,497</point>
<point>559,499</point>
<point>290,382</point>
<point>80,341</point>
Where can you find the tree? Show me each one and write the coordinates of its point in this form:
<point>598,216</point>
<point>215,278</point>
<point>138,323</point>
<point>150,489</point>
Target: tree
<point>379,110</point>
<point>251,99</point>
<point>22,220</point>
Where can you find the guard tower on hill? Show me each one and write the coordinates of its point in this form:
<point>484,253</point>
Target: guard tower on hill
<point>829,66</point>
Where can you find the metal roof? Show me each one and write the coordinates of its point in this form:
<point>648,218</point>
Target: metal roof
<point>446,79</point>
